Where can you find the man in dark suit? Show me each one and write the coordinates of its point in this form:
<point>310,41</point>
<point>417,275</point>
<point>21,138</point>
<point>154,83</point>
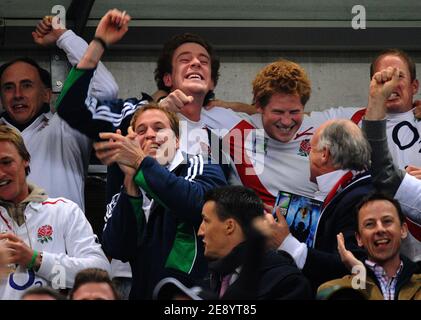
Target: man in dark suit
<point>339,158</point>
<point>240,267</point>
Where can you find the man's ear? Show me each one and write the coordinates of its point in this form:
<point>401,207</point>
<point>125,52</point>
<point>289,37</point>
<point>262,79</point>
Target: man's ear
<point>26,165</point>
<point>167,80</point>
<point>47,95</point>
<point>404,230</point>
<point>177,143</point>
<point>230,225</point>
<point>415,86</point>
<point>358,237</point>
<point>325,155</point>
<point>259,107</point>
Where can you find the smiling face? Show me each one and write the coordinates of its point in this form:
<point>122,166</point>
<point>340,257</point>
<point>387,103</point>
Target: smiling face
<point>22,92</point>
<point>282,116</point>
<point>191,70</point>
<point>401,99</point>
<point>155,136</point>
<point>13,186</point>
<point>380,231</point>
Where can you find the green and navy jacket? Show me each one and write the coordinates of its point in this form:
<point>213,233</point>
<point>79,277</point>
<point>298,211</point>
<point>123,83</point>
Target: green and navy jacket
<point>91,116</point>
<point>167,244</point>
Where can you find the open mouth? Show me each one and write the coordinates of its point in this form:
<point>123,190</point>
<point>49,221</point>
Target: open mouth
<point>381,242</point>
<point>284,129</point>
<point>194,76</point>
<point>393,96</point>
<point>19,107</point>
<point>154,146</point>
<point>4,182</point>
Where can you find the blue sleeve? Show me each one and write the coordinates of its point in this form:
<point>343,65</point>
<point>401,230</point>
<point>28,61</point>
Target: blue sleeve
<point>89,115</point>
<point>183,195</point>
<point>125,223</point>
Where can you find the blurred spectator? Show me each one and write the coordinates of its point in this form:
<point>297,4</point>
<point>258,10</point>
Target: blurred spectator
<point>42,293</point>
<point>93,284</point>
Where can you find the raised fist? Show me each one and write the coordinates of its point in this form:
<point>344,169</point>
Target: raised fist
<point>384,82</point>
<point>44,34</point>
<point>113,26</point>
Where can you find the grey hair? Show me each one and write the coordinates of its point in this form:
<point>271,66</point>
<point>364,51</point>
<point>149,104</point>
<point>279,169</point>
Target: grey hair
<point>347,145</point>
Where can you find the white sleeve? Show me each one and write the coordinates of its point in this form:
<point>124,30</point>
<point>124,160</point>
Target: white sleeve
<point>103,85</point>
<point>320,117</point>
<point>222,118</point>
<point>82,249</point>
<point>296,249</point>
<point>409,197</point>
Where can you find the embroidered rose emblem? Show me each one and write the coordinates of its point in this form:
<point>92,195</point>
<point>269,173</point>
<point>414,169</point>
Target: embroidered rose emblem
<point>305,147</point>
<point>45,233</point>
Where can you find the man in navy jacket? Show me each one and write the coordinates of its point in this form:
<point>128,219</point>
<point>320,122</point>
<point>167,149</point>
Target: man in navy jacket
<point>155,218</point>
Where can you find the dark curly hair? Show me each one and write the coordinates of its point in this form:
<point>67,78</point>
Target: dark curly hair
<point>164,64</point>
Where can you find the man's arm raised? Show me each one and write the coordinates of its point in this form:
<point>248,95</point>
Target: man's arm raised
<point>111,28</point>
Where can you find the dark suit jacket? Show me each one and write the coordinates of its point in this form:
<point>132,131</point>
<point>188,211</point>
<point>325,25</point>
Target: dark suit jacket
<point>265,275</point>
<point>323,262</point>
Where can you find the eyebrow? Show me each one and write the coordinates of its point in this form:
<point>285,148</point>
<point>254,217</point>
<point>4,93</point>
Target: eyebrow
<point>294,109</point>
<point>189,52</point>
<point>155,123</point>
<point>382,217</point>
<point>21,81</point>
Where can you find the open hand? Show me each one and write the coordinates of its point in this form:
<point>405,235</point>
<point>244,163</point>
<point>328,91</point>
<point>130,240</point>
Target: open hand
<point>346,256</point>
<point>274,231</point>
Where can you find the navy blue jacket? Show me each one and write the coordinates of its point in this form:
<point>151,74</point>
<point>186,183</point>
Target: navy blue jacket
<point>91,116</point>
<point>265,275</point>
<point>323,262</point>
<point>167,244</point>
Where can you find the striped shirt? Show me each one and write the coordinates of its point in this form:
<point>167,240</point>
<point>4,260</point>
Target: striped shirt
<point>387,284</point>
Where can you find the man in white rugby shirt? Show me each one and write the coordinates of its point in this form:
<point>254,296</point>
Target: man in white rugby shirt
<point>59,154</point>
<point>49,239</point>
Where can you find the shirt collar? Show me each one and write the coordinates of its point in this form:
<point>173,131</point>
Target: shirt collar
<point>178,159</point>
<point>378,269</point>
<point>326,182</point>
<point>399,115</point>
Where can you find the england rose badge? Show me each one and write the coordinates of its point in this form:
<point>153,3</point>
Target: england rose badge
<point>45,233</point>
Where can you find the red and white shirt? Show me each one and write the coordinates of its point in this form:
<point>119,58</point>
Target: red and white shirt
<point>275,165</point>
